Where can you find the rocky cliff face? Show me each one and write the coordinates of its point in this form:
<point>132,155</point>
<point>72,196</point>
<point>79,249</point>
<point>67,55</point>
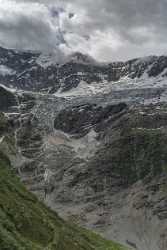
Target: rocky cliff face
<point>28,224</point>
<point>95,150</point>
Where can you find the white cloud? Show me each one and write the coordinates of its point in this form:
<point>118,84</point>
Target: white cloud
<point>107,30</point>
<point>27,26</point>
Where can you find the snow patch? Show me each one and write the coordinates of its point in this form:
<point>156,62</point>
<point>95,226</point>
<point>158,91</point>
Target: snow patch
<point>12,90</point>
<point>4,70</point>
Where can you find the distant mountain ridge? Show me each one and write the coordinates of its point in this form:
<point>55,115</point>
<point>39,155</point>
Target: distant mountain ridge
<point>35,71</point>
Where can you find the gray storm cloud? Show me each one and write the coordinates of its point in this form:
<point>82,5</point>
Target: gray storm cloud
<point>108,29</point>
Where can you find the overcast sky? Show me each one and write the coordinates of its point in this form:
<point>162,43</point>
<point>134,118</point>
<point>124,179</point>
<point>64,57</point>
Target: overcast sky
<point>108,30</point>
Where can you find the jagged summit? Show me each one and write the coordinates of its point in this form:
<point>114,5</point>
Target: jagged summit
<point>34,71</point>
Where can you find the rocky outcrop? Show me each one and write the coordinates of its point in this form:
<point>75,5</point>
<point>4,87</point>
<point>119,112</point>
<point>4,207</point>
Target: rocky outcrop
<point>79,120</point>
<point>7,99</point>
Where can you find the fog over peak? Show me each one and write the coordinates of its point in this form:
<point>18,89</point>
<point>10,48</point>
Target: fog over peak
<point>106,30</point>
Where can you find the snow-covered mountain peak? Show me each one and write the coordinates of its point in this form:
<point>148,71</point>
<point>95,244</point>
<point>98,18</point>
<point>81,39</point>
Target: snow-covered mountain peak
<point>57,73</point>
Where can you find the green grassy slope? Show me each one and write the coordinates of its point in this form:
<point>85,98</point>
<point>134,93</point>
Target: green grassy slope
<point>26,224</point>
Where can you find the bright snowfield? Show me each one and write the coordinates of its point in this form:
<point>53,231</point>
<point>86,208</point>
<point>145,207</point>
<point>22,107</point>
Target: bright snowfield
<point>4,70</point>
<point>104,87</point>
<point>85,89</point>
<point>124,83</point>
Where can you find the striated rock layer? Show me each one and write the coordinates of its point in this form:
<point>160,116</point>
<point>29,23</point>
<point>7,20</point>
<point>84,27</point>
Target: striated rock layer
<point>26,223</point>
<point>96,153</point>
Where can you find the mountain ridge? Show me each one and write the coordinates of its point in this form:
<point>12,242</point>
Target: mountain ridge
<point>34,71</point>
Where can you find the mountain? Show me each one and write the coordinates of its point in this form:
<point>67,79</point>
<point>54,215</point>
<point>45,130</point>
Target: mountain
<point>27,224</point>
<point>39,72</point>
<point>91,142</point>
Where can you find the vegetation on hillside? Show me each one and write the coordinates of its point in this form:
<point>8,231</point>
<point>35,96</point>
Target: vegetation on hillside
<point>27,224</point>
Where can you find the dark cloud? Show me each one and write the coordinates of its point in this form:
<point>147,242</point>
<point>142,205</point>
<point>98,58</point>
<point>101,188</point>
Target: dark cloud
<point>108,29</point>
